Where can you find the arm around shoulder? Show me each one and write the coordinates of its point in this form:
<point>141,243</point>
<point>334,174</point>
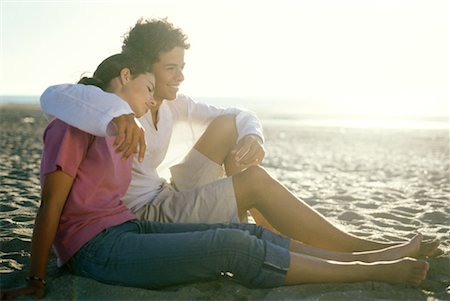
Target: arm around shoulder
<point>86,107</point>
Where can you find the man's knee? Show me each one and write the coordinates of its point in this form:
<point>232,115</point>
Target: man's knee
<point>225,125</point>
<point>251,186</point>
<point>257,175</point>
<point>219,139</point>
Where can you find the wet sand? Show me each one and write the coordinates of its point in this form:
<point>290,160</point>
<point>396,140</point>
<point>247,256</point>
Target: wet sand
<point>377,183</point>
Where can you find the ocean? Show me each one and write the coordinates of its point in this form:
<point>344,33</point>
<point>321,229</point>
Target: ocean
<point>292,112</point>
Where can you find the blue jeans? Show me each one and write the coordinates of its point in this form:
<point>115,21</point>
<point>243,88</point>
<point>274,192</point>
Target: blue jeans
<point>151,254</point>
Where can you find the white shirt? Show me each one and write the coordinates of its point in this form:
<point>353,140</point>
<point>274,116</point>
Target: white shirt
<point>180,123</point>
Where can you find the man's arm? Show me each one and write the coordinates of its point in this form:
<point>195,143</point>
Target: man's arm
<point>96,112</point>
<point>247,123</point>
<point>249,149</point>
<point>85,107</point>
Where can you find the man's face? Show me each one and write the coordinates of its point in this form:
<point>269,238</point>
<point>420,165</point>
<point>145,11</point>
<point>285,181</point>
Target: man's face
<point>168,73</point>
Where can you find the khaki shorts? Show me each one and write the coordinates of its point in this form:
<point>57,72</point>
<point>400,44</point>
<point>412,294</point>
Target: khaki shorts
<point>198,193</point>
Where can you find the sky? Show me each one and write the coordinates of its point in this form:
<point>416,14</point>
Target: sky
<point>361,56</point>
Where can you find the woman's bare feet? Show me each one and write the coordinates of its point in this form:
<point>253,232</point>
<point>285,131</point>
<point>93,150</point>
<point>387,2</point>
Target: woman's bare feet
<point>407,270</point>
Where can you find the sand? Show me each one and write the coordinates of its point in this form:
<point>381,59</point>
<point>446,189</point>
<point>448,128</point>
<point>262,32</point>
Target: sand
<point>377,183</point>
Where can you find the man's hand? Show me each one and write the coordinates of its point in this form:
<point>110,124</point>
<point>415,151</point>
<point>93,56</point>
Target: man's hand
<point>249,151</point>
<point>130,137</point>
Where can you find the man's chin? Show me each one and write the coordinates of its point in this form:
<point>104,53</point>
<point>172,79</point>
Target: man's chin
<point>166,96</point>
<point>171,97</point>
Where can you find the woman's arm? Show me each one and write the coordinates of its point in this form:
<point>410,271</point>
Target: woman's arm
<point>55,190</point>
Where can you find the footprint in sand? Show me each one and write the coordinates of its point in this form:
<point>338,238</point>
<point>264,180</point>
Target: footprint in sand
<point>6,208</point>
<point>408,209</point>
<point>22,219</point>
<point>367,205</point>
<point>436,217</point>
<point>390,216</point>
<point>350,216</point>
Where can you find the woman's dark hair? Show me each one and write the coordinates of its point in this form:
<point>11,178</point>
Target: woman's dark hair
<point>111,67</point>
<point>151,37</point>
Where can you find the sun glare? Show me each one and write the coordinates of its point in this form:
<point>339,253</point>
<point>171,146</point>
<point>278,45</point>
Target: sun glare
<point>384,58</point>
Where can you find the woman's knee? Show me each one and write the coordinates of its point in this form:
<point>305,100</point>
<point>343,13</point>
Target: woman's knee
<point>235,245</point>
<point>247,259</point>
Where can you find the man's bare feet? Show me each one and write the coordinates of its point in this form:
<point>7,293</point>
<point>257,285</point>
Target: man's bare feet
<point>407,249</point>
<point>429,248</point>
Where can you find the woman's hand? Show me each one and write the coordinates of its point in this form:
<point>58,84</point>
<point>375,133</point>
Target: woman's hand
<point>130,137</point>
<point>33,287</point>
<point>249,151</point>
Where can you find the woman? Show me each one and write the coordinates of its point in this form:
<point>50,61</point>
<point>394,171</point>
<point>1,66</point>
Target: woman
<point>83,180</point>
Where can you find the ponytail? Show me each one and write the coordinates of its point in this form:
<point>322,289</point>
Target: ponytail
<point>110,68</point>
<point>92,81</point>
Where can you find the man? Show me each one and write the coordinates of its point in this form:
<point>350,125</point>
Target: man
<point>188,198</point>
<point>232,144</point>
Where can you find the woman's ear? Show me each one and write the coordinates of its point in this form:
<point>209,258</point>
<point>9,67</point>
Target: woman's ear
<point>125,76</point>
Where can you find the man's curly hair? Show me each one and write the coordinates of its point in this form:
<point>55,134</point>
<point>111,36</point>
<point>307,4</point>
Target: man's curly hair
<point>151,37</point>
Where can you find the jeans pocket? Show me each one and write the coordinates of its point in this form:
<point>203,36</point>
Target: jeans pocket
<point>93,248</point>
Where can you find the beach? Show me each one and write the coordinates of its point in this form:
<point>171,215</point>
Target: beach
<point>384,184</point>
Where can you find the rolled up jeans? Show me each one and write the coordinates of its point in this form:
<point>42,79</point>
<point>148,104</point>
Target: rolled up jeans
<point>152,255</point>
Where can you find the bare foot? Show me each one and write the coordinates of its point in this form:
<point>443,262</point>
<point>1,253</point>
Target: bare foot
<point>407,270</point>
<point>429,248</point>
<point>407,249</point>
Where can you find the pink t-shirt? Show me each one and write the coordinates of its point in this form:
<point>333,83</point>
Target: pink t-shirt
<point>101,178</point>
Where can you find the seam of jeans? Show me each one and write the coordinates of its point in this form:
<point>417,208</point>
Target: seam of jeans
<point>274,267</point>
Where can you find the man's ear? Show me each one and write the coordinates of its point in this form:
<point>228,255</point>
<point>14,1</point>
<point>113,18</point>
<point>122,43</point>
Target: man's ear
<point>125,76</point>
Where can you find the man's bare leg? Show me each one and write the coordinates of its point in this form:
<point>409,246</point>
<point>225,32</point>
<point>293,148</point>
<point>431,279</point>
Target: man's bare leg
<point>217,144</point>
<point>407,249</point>
<point>277,208</point>
<point>255,188</point>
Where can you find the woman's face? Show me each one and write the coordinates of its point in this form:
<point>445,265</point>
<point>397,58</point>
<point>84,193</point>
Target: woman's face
<point>169,74</point>
<point>138,92</point>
